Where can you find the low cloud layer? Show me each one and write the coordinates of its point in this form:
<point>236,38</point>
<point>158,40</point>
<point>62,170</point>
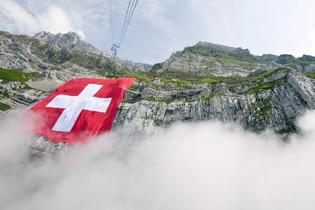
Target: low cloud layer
<point>18,19</point>
<point>188,166</point>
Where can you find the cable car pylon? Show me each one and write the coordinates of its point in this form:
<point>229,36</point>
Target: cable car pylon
<point>114,49</point>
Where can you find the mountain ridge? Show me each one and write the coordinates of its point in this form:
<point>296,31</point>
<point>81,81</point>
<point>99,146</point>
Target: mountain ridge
<point>272,96</point>
<point>208,58</point>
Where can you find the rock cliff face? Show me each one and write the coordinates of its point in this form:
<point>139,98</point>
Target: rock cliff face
<point>202,82</point>
<point>267,101</point>
<point>270,100</point>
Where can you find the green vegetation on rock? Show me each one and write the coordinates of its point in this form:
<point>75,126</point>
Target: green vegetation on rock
<point>10,75</point>
<point>310,75</point>
<point>4,107</point>
<point>227,57</point>
<point>256,83</point>
<point>140,76</point>
<point>264,86</point>
<point>262,110</point>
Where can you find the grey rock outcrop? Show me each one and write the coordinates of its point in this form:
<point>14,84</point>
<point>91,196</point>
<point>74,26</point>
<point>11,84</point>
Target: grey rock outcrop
<point>285,59</point>
<point>207,58</point>
<point>70,41</point>
<point>16,53</point>
<point>134,66</point>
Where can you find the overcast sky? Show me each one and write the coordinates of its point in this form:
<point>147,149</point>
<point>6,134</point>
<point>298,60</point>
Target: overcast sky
<point>161,27</point>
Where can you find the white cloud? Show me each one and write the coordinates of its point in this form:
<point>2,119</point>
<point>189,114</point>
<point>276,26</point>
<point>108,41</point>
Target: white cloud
<point>160,27</point>
<point>24,21</point>
<point>262,26</point>
<point>193,166</point>
<point>154,11</point>
<point>53,19</point>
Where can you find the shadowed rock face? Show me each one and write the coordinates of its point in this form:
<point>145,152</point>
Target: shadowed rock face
<point>285,59</point>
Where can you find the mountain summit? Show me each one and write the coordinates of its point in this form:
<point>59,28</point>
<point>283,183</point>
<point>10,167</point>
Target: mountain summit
<point>70,41</point>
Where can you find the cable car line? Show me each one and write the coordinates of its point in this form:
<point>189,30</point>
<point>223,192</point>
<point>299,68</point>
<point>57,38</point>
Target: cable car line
<point>110,12</point>
<point>126,17</point>
<point>132,4</point>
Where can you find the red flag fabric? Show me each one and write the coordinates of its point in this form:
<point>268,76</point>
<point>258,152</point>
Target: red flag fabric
<point>80,108</point>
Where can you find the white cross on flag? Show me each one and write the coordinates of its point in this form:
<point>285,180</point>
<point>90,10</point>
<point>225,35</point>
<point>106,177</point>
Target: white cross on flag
<point>81,108</point>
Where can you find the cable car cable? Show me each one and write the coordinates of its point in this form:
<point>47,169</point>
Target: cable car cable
<point>132,4</point>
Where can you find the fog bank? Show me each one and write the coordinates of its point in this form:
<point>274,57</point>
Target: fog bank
<point>188,166</point>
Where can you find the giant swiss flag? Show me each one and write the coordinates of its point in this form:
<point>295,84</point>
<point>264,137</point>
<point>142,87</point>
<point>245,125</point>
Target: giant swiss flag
<point>80,108</point>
